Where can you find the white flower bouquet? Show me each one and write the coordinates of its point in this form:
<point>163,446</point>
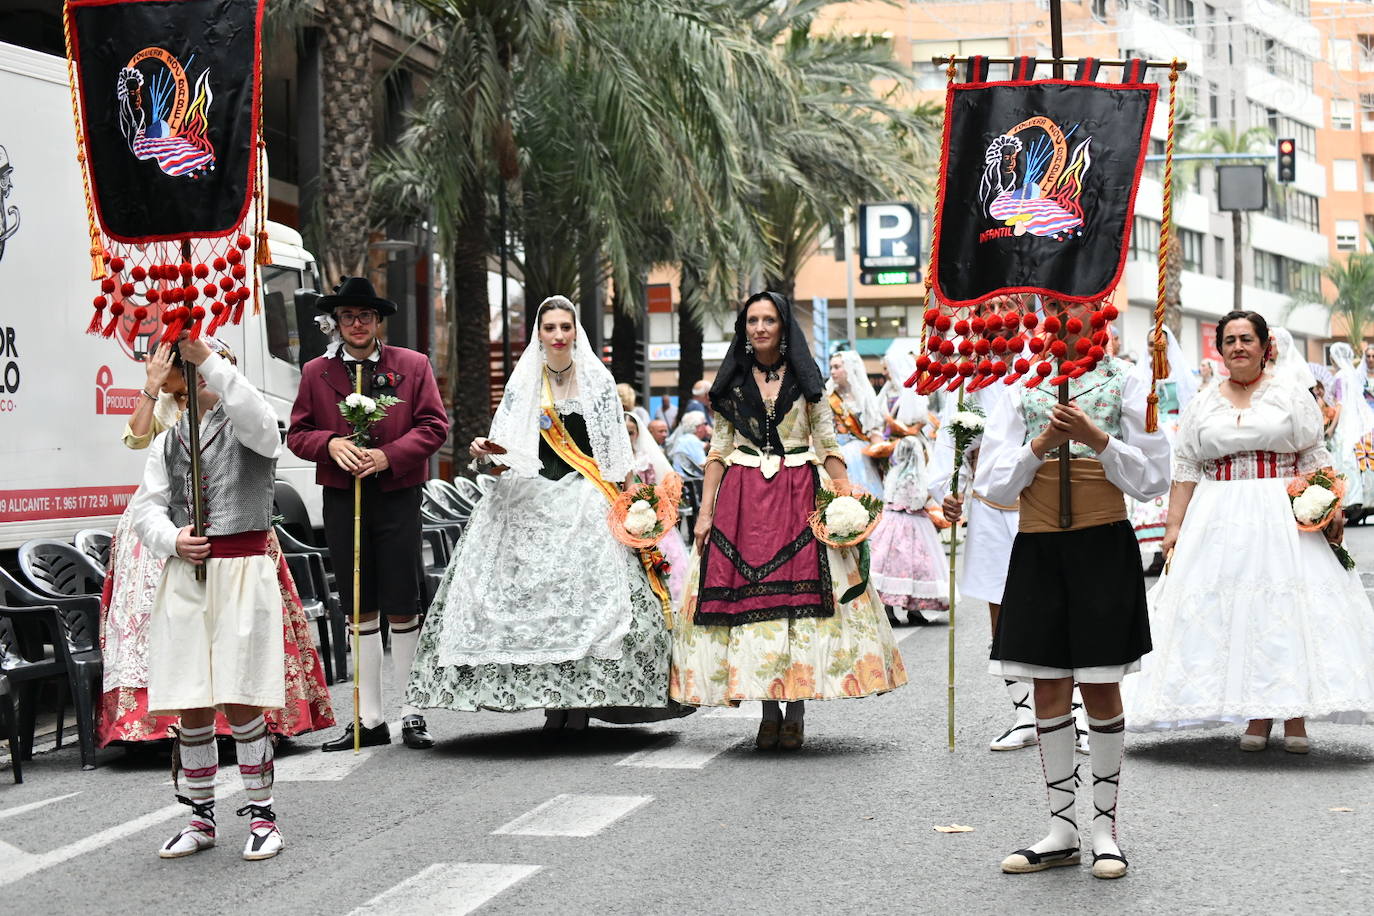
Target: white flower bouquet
<point>643,514</point>
<point>363,412</point>
<point>1316,498</point>
<point>845,514</point>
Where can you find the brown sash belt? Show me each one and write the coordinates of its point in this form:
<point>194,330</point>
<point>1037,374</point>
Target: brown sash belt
<point>1096,500</point>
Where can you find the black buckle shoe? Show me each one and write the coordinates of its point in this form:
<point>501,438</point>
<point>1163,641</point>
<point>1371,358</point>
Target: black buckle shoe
<point>376,736</point>
<point>415,733</point>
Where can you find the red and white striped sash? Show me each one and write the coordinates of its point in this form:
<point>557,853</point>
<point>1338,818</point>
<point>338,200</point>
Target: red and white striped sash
<point>1252,466</point>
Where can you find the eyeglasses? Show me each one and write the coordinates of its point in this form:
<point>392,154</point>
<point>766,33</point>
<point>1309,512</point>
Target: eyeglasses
<point>357,317</point>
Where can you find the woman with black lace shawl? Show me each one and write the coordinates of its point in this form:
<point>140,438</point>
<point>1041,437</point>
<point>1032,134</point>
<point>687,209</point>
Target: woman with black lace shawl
<point>765,616</point>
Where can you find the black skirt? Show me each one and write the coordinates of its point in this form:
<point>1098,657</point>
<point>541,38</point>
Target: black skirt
<point>1074,606</point>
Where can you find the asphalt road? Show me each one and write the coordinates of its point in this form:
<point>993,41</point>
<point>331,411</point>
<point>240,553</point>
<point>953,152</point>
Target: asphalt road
<point>688,818</point>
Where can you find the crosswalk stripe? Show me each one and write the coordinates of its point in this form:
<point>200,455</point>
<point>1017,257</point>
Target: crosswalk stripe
<point>749,710</point>
<point>15,864</point>
<point>573,815</point>
<point>446,889</point>
<point>682,752</point>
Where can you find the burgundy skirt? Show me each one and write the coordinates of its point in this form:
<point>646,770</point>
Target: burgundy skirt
<point>762,561</point>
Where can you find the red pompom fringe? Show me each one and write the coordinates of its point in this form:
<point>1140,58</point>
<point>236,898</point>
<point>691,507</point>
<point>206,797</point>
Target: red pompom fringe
<point>238,312</point>
<point>97,320</point>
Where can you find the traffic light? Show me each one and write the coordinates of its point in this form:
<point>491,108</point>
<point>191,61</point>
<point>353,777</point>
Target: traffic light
<point>1287,159</point>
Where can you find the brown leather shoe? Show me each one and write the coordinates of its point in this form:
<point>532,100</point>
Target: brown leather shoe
<point>767,739</point>
<point>792,735</point>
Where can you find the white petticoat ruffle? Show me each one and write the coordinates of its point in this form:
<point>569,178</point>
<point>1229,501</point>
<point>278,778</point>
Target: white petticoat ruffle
<point>539,578</point>
<point>1256,620</point>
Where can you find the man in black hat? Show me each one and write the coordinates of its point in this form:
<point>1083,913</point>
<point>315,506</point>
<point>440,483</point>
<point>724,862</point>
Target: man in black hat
<point>392,468</point>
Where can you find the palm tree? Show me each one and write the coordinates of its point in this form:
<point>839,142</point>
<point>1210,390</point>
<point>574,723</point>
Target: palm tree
<point>612,123</point>
<point>1353,303</point>
<point>346,103</point>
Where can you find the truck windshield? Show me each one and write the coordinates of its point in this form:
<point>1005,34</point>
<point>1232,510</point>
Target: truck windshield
<point>279,312</point>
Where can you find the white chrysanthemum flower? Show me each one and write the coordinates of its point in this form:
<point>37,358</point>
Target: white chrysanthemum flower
<point>845,517</point>
<point>1312,504</point>
<point>967,420</point>
<point>354,400</point>
<point>369,405</point>
<point>641,518</point>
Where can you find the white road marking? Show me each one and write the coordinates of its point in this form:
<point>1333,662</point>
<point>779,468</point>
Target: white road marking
<point>573,815</point>
<point>682,752</point>
<point>747,710</point>
<point>33,806</point>
<point>317,766</point>
<point>15,864</point>
<point>446,889</point>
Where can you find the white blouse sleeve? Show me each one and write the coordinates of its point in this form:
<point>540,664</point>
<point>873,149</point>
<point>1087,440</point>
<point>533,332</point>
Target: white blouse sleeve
<point>150,505</point>
<point>1138,462</point>
<point>1187,461</point>
<point>1307,432</point>
<point>1006,464</point>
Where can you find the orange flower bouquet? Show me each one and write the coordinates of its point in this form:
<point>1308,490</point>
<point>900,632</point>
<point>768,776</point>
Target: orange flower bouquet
<point>1316,498</point>
<point>643,514</point>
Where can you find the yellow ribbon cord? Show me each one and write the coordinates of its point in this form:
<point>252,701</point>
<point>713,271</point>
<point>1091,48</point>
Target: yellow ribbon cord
<point>98,271</point>
<point>556,435</point>
<point>357,577</point>
<point>1159,346</point>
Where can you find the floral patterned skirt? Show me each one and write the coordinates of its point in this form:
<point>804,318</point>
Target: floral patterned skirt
<point>850,654</point>
<point>123,713</point>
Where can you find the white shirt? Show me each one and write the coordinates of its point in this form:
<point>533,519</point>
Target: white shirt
<point>255,426</point>
<point>1137,463</point>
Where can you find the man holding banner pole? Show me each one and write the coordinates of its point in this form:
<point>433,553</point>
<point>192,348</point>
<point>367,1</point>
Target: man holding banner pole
<point>391,469</point>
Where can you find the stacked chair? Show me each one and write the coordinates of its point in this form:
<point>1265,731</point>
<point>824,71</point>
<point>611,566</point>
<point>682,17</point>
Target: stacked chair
<point>50,631</point>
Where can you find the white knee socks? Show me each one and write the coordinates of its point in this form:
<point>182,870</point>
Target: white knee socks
<point>1057,760</point>
<point>369,664</point>
<point>199,759</point>
<point>405,636</point>
<point>1108,747</point>
<point>253,748</point>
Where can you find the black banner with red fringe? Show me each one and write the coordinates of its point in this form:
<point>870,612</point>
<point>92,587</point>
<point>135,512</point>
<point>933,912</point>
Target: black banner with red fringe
<point>1032,224</point>
<point>166,96</point>
<point>1039,181</point>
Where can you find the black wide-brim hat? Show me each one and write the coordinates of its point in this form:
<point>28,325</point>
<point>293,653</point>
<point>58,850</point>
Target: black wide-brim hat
<point>355,292</point>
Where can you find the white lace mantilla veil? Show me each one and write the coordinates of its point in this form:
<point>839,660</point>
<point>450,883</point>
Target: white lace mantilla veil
<point>900,362</point>
<point>1356,418</point>
<point>648,455</point>
<point>861,399</point>
<point>1288,362</point>
<point>516,424</point>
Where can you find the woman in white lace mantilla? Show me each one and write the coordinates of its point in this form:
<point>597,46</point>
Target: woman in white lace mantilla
<point>1254,620</point>
<point>541,607</point>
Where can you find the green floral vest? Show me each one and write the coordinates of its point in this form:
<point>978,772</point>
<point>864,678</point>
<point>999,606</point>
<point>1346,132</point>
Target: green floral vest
<point>1099,394</point>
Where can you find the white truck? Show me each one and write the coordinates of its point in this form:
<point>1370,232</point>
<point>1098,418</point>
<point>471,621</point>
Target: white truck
<point>65,395</point>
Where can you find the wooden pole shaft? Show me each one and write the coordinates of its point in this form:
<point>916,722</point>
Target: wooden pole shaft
<point>357,584</point>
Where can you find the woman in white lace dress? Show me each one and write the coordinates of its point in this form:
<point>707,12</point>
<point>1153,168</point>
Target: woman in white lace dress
<point>541,607</point>
<point>1255,620</point>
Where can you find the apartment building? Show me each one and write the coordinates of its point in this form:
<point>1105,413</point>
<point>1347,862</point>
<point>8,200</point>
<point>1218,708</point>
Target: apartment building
<point>1345,77</point>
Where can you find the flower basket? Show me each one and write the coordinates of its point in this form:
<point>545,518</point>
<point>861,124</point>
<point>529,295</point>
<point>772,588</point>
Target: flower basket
<point>825,496</point>
<point>662,499</point>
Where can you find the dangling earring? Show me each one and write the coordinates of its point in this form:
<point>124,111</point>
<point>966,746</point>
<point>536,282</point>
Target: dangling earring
<point>749,347</point>
<point>782,346</point>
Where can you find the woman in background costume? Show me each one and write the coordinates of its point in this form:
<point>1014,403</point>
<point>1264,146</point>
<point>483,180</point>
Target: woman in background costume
<point>857,417</point>
<point>771,613</point>
<point>127,601</point>
<point>1354,423</point>
<point>651,467</point>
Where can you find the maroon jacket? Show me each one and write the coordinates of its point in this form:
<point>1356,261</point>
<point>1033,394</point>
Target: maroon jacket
<point>412,431</point>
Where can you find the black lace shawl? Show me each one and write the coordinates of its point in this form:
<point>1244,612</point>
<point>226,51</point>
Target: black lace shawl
<point>735,394</point>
